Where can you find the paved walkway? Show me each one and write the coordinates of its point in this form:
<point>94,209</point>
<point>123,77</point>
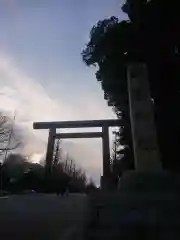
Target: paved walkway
<point>127,215</point>
<point>43,216</point>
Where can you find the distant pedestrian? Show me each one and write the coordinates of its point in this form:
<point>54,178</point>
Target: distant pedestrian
<point>67,191</point>
<point>58,192</point>
<point>61,190</point>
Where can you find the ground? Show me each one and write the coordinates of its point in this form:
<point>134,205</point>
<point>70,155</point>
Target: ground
<point>43,216</point>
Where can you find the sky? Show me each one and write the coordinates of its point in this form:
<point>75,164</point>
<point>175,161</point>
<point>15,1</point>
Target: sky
<point>42,75</point>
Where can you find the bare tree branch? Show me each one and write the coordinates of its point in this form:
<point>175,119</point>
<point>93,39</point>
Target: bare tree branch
<point>7,134</point>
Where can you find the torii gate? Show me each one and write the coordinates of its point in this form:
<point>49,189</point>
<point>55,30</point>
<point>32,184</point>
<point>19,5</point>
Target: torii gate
<point>145,145</point>
<point>104,134</point>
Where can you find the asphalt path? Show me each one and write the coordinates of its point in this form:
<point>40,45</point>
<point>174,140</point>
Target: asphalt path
<point>43,216</point>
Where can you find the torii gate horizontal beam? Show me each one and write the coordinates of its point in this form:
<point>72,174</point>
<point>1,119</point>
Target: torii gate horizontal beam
<point>79,135</point>
<point>77,124</point>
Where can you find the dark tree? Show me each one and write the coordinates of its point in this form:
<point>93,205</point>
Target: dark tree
<point>150,36</point>
<point>57,154</point>
<point>110,40</point>
<point>9,139</point>
<point>18,175</point>
<point>157,23</point>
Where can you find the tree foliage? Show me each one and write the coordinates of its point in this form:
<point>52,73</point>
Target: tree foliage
<point>8,137</point>
<point>66,171</point>
<point>18,175</point>
<point>151,35</point>
<point>157,23</point>
<point>110,41</point>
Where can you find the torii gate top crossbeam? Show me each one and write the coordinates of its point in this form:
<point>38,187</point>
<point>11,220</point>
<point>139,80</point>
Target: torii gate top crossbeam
<point>77,124</point>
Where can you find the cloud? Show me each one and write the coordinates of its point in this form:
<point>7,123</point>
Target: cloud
<point>32,102</point>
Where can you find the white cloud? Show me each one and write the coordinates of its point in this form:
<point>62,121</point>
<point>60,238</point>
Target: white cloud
<point>32,103</point>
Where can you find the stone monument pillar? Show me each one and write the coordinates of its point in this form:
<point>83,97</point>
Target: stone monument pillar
<point>146,152</point>
<point>147,203</point>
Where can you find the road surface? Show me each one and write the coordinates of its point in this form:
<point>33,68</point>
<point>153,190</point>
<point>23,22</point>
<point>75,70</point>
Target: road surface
<point>42,216</point>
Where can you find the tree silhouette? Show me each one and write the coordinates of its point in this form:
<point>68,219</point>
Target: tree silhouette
<point>17,173</point>
<point>151,35</point>
<point>157,24</point>
<point>8,137</point>
<point>110,40</point>
<point>57,153</point>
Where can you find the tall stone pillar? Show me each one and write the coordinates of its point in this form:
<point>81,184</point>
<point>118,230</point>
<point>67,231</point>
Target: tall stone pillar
<point>145,145</point>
